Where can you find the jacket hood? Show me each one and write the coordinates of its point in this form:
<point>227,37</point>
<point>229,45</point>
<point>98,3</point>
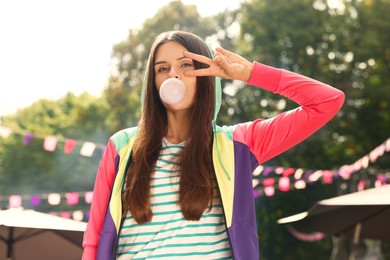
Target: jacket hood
<point>218,98</point>
<point>217,90</point>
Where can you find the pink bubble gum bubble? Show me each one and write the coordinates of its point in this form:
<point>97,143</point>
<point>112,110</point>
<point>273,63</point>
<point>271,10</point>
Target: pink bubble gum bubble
<point>172,91</point>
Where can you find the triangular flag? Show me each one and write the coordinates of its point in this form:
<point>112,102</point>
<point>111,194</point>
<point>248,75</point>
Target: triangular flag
<point>5,132</point>
<point>345,172</point>
<point>268,170</point>
<point>361,185</point>
<point>15,201</point>
<point>87,149</point>
<point>298,174</point>
<point>279,170</point>
<point>69,145</point>
<point>88,197</point>
<point>269,191</point>
<point>284,184</point>
<point>78,215</point>
<point>54,199</point>
<point>387,145</point>
<point>268,182</point>
<point>315,176</point>
<point>50,143</point>
<point>287,172</point>
<point>65,214</point>
<point>365,161</point>
<point>300,184</point>
<point>327,175</point>
<point>35,200</point>
<point>27,138</point>
<point>72,198</point>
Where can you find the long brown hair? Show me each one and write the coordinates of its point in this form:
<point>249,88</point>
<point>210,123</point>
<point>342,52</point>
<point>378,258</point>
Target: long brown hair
<point>195,162</point>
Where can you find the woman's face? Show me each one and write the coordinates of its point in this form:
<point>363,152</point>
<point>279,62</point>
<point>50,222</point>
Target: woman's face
<point>171,63</point>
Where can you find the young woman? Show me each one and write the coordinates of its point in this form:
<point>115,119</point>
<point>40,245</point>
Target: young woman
<point>178,186</point>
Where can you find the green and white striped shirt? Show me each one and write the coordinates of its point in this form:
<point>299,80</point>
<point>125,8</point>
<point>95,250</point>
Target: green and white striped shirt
<point>169,235</point>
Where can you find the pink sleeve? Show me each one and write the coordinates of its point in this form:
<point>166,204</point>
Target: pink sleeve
<point>101,194</point>
<point>318,104</point>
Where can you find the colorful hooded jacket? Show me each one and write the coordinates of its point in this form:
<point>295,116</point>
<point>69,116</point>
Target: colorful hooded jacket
<point>237,151</point>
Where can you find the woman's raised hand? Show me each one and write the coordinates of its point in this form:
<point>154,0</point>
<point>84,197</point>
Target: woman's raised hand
<point>226,64</point>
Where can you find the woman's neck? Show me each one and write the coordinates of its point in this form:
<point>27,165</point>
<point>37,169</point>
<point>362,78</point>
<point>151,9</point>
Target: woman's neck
<point>178,126</point>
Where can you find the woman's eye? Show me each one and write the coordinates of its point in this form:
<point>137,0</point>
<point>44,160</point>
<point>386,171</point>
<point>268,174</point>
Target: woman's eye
<point>162,69</point>
<point>187,65</point>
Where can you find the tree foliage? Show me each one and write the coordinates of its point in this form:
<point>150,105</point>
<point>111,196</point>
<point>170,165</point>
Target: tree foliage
<point>29,169</point>
<point>345,46</point>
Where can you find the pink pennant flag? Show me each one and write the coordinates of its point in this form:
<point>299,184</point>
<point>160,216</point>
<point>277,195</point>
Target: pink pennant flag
<point>27,139</point>
<point>284,184</point>
<point>54,199</point>
<point>381,149</point>
<point>357,166</point>
<point>15,201</point>
<point>269,191</point>
<point>70,144</point>
<point>88,197</point>
<point>268,182</point>
<point>361,185</point>
<point>387,145</point>
<point>72,198</point>
<point>65,214</point>
<point>287,172</point>
<point>5,132</point>
<point>279,170</point>
<point>50,143</point>
<point>327,175</point>
<point>381,180</point>
<point>345,172</point>
<point>87,149</point>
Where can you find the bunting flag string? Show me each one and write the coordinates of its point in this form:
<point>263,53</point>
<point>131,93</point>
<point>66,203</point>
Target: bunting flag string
<point>54,199</point>
<point>267,178</point>
<point>77,215</point>
<point>50,142</point>
<point>316,236</point>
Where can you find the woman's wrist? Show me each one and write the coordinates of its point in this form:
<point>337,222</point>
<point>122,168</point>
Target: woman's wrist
<point>249,69</point>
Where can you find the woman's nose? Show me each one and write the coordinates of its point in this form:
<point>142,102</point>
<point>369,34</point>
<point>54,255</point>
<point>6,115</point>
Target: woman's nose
<point>173,73</point>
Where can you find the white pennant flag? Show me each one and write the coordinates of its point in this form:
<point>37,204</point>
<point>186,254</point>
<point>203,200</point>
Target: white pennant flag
<point>50,143</point>
<point>87,149</point>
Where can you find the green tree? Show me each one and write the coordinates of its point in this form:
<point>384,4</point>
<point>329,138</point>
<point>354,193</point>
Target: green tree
<point>345,47</point>
<point>29,169</point>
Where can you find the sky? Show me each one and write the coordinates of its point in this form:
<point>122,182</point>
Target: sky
<point>49,48</point>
